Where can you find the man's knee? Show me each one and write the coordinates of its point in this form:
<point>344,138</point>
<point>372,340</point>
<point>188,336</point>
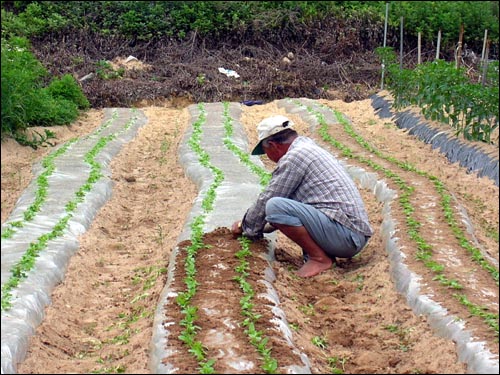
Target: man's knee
<point>274,205</point>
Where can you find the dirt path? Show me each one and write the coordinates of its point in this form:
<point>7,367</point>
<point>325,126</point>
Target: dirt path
<point>351,318</point>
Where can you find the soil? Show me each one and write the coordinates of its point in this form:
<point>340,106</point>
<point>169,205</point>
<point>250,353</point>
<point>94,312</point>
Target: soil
<point>348,319</point>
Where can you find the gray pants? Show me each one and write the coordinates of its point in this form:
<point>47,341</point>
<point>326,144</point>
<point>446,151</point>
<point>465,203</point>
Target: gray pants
<point>334,238</point>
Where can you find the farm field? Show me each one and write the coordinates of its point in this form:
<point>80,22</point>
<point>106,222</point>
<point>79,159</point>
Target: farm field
<point>354,318</point>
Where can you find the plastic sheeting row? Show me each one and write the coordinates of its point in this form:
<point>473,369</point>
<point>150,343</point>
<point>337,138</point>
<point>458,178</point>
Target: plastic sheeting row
<point>470,157</point>
<point>478,358</point>
<point>32,294</point>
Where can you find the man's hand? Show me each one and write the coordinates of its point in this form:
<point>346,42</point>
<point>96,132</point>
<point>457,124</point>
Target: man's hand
<point>236,228</point>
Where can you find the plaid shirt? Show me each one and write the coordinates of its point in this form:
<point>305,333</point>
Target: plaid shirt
<point>310,174</point>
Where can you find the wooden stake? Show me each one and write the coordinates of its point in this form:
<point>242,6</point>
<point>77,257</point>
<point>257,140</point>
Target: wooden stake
<point>484,44</point>
<point>385,41</point>
<point>438,44</point>
<point>485,64</point>
<point>401,46</point>
<point>458,53</point>
<point>419,48</point>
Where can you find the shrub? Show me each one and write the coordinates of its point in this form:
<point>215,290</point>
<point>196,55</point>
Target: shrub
<point>25,101</point>
<point>67,88</point>
<point>45,110</point>
<point>21,75</point>
<point>445,94</point>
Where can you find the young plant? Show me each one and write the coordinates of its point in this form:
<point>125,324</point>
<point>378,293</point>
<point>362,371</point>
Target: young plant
<point>333,363</point>
<point>256,338</point>
<point>320,342</point>
<point>188,335</point>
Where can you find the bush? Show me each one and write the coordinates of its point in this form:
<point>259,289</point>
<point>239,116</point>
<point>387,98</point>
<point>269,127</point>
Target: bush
<point>445,94</point>
<point>25,102</point>
<point>21,75</point>
<point>45,110</point>
<point>67,88</point>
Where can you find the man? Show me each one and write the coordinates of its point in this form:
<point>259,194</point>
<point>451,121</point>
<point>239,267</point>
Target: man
<point>310,198</point>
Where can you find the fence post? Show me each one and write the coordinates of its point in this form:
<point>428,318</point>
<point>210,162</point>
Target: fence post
<point>482,53</point>
<point>419,48</point>
<point>485,64</point>
<point>385,41</point>
<point>458,52</point>
<point>484,44</point>
<point>401,46</point>
<point>438,44</point>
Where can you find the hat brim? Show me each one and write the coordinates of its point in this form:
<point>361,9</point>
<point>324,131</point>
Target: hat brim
<point>258,150</point>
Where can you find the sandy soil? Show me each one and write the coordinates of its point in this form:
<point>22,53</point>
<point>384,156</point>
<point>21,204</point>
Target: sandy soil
<point>349,319</point>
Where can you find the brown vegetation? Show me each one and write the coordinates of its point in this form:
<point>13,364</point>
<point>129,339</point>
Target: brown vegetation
<point>333,60</point>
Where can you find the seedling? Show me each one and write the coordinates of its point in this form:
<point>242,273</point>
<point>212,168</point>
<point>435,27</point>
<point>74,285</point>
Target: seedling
<point>333,362</point>
<point>320,342</point>
<point>307,310</point>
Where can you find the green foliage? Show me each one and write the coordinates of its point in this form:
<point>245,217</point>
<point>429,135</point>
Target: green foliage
<point>492,74</point>
<point>428,17</point>
<point>37,18</point>
<point>42,109</point>
<point>35,140</point>
<point>333,363</point>
<point>20,73</point>
<point>25,101</point>
<point>12,26</point>
<point>445,94</point>
<point>67,88</point>
<point>320,342</point>
<point>144,20</point>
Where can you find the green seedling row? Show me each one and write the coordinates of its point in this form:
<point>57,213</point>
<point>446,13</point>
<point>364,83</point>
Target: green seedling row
<point>256,337</point>
<point>42,183</point>
<point>244,157</point>
<point>27,262</point>
<point>189,332</point>
<point>424,252</point>
<point>188,335</point>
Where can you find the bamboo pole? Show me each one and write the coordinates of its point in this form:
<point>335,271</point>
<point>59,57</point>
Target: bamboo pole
<point>484,44</point>
<point>419,48</point>
<point>385,41</point>
<point>401,46</point>
<point>438,44</point>
<point>458,53</point>
<point>481,63</point>
<point>485,64</point>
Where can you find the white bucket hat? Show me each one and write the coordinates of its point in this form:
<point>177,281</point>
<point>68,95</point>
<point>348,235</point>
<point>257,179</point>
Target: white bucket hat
<point>268,127</point>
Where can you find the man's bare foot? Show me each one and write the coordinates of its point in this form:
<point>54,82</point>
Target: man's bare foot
<point>313,267</point>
